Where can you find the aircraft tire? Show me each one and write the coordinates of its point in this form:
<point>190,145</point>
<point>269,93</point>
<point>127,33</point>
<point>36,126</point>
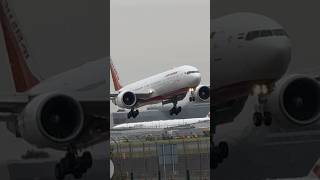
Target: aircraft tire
<point>267,118</point>
<point>257,119</point>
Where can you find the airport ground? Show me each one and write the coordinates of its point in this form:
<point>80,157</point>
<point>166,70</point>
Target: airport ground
<point>183,158</point>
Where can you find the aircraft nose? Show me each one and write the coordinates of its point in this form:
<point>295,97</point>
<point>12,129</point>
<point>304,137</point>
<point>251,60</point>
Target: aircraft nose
<point>275,57</point>
<point>196,79</point>
<point>282,54</point>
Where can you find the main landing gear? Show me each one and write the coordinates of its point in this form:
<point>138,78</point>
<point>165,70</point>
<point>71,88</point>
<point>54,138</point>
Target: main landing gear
<point>175,110</point>
<point>220,153</point>
<point>261,115</point>
<point>133,113</point>
<point>73,164</point>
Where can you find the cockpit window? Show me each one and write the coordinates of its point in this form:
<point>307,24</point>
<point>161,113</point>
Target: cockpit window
<point>265,33</point>
<point>192,72</point>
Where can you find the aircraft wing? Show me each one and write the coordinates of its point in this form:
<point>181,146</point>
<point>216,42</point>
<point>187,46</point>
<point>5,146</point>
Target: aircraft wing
<point>12,105</point>
<point>179,97</point>
<point>139,94</point>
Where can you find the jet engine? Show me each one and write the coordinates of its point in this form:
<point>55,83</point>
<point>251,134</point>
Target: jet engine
<point>51,120</point>
<point>126,99</point>
<point>295,101</point>
<point>202,93</point>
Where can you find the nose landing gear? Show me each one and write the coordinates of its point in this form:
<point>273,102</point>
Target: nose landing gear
<point>261,115</point>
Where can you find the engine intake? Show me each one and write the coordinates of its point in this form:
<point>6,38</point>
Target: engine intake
<point>301,100</point>
<point>61,118</point>
<point>296,99</point>
<point>126,99</point>
<point>51,120</point>
<point>202,93</point>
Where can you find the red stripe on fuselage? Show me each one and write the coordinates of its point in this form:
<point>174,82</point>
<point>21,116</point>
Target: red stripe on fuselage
<point>237,90</point>
<point>164,97</point>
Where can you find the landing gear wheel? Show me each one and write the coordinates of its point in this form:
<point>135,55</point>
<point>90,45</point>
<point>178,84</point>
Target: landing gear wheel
<point>129,115</point>
<point>191,98</point>
<point>172,111</point>
<point>135,113</point>
<point>178,110</point>
<point>257,119</point>
<point>77,175</point>
<point>73,164</point>
<point>175,110</point>
<point>59,173</point>
<point>87,159</point>
<point>267,118</point>
<point>224,148</point>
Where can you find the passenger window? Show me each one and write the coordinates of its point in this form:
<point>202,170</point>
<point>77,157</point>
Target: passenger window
<point>266,33</point>
<point>252,35</point>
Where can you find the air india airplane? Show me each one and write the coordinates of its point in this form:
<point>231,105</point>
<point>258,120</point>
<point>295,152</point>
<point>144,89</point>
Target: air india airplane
<point>167,87</point>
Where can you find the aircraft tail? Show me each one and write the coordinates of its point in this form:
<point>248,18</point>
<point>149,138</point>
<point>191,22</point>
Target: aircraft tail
<point>315,171</point>
<point>17,50</point>
<point>115,76</point>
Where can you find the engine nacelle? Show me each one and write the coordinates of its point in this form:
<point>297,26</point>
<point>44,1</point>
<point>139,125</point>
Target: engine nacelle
<point>51,120</point>
<point>295,101</point>
<point>202,93</point>
<point>126,99</point>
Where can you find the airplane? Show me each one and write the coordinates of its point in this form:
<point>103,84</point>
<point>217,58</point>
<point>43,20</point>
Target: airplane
<point>314,174</point>
<point>167,87</point>
<point>161,124</point>
<point>251,54</point>
<point>58,112</point>
<point>256,51</point>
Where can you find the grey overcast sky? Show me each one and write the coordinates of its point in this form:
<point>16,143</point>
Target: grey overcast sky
<point>151,36</point>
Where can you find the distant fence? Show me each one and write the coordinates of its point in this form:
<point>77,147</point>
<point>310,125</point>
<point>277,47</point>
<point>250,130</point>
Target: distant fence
<point>161,159</point>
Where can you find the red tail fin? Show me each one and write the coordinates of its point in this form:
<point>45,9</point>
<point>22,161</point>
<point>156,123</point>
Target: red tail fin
<point>115,77</point>
<point>17,50</point>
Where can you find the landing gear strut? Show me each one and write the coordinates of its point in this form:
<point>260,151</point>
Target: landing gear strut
<point>175,110</point>
<point>261,115</point>
<point>133,113</point>
<point>73,164</point>
<point>192,97</point>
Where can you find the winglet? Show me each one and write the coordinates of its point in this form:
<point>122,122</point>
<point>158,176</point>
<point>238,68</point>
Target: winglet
<point>115,76</point>
<point>17,50</point>
<point>315,171</point>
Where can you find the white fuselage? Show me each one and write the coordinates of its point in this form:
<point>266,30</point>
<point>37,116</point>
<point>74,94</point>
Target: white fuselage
<point>247,49</point>
<point>160,124</point>
<point>166,85</point>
